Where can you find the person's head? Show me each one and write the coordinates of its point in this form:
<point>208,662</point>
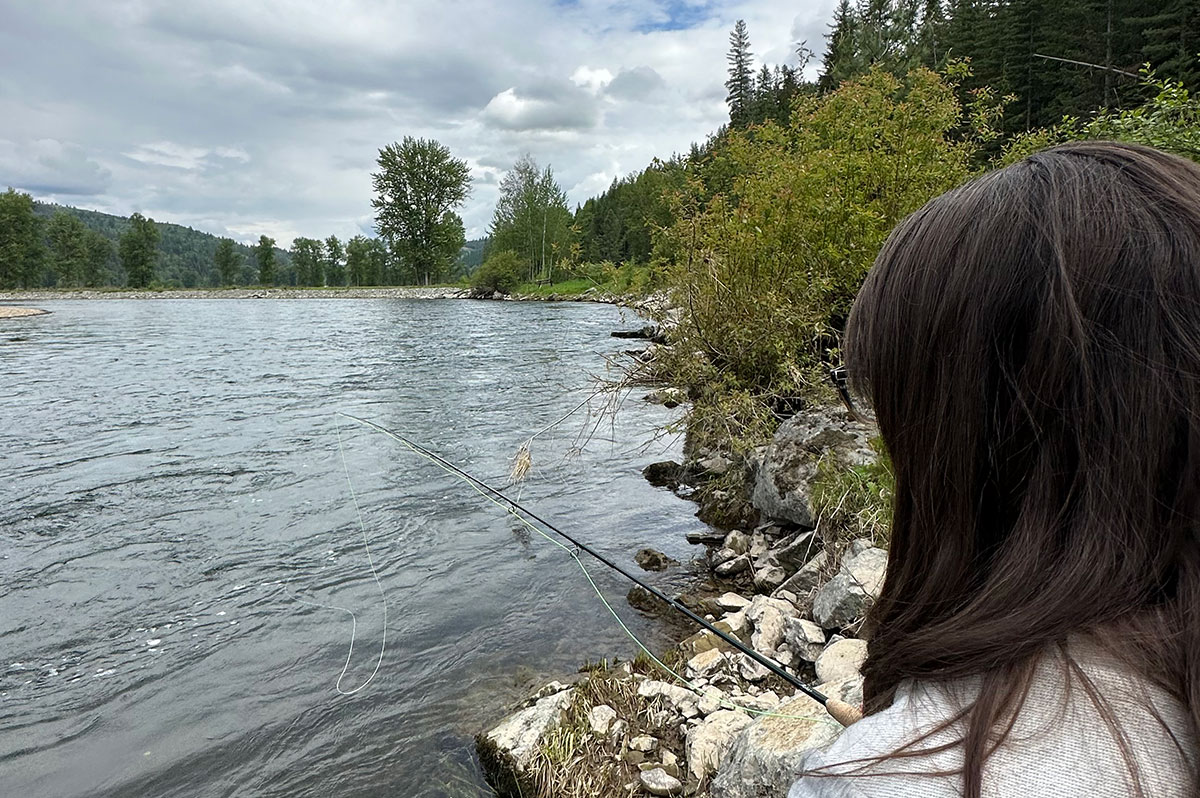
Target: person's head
<point>1030,344</point>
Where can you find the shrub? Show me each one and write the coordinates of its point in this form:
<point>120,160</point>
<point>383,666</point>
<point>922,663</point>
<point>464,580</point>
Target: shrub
<point>502,272</point>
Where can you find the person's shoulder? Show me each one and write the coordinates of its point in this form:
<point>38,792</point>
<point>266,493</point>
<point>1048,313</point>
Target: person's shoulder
<point>854,765</point>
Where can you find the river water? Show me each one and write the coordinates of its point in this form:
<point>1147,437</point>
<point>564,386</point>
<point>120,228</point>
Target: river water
<point>176,527</point>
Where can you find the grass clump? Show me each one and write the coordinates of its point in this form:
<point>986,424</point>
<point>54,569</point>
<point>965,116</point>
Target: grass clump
<point>854,501</point>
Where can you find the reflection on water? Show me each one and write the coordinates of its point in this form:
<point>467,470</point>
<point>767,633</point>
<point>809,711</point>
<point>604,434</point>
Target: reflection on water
<point>173,502</point>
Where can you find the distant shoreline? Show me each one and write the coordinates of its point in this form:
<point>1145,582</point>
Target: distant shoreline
<point>390,292</point>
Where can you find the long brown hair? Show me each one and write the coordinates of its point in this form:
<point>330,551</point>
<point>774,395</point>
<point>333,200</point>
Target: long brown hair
<point>1030,343</point>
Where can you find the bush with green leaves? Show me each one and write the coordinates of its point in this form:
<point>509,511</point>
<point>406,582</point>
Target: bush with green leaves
<point>766,271</point>
<point>500,273</point>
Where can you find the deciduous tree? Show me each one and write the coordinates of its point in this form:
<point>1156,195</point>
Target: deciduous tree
<point>139,251</point>
<point>264,255</point>
<point>417,189</point>
<point>21,250</point>
<point>227,260</point>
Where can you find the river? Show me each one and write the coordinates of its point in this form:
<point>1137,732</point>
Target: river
<point>178,523</point>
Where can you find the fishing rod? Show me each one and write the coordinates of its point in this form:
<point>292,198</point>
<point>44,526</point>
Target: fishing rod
<point>841,711</point>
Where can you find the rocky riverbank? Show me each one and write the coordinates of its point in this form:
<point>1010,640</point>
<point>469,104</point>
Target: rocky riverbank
<point>726,728</point>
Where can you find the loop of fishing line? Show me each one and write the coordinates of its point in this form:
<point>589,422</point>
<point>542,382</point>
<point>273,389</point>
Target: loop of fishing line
<point>378,584</point>
<point>573,552</point>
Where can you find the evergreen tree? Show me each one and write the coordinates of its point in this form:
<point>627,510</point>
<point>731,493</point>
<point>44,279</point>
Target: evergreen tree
<point>741,77</point>
<point>264,256</point>
<point>841,55</point>
<point>227,261</point>
<point>21,250</point>
<point>335,270</point>
<point>68,249</point>
<point>139,251</point>
<point>1171,41</point>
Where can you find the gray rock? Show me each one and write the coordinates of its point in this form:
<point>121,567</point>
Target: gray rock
<point>716,465</point>
<point>751,670</point>
<point>666,474</point>
<point>722,555</point>
<point>659,782</point>
<point>732,602</point>
<point>711,700</point>
<point>759,545</point>
<point>867,567</point>
<point>645,743</point>
<point>704,664</point>
<point>706,535</point>
<point>859,545</point>
<point>798,550</point>
<point>733,567</point>
<point>760,604</point>
<point>784,473</point>
<point>738,542</point>
<point>769,630</point>
<point>805,638</point>
<point>600,718</point>
<point>764,757</point>
<point>807,578</point>
<point>653,560</point>
<point>710,739</point>
<point>678,697</point>
<point>518,736</point>
<point>841,660</point>
<point>840,602</point>
<point>769,577</point>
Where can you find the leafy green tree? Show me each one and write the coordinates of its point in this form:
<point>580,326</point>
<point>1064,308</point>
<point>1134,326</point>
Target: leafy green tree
<point>100,254</point>
<point>21,249</point>
<point>741,76</point>
<point>307,258</point>
<point>68,249</point>
<point>264,255</point>
<point>139,251</point>
<point>358,261</point>
<point>532,218</point>
<point>335,268</point>
<point>417,189</point>
<point>228,261</point>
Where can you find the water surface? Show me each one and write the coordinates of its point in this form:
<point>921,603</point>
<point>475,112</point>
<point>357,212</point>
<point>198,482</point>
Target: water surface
<point>174,505</point>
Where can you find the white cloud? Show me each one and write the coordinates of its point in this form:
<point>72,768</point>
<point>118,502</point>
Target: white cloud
<point>593,79</point>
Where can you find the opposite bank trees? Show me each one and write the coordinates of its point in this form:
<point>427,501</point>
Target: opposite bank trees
<point>417,189</point>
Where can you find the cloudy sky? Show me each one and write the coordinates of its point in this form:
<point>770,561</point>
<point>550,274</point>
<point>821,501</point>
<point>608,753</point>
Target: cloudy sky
<point>243,117</point>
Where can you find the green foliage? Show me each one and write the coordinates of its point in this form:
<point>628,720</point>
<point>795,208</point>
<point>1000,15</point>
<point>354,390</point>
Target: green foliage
<point>334,263</point>
<point>741,77</point>
<point>69,250</point>
<point>501,272</point>
<point>227,260</point>
<point>21,250</point>
<point>532,219</point>
<point>308,255</point>
<point>766,273</point>
<point>264,256</point>
<point>1170,120</point>
<point>417,188</point>
<point>139,251</point>
<point>854,501</point>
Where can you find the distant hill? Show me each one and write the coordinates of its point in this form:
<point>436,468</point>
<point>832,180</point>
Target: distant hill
<point>186,255</point>
<point>471,256</point>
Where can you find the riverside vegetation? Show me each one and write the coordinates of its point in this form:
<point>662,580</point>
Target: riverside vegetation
<point>761,238</point>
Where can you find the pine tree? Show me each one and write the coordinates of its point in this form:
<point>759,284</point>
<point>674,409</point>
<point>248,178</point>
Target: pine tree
<point>1171,41</point>
<point>841,58</point>
<point>741,77</point>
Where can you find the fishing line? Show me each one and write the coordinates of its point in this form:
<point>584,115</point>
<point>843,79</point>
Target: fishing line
<point>844,714</point>
<point>378,584</point>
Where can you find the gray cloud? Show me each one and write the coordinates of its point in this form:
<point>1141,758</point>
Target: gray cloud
<point>267,117</point>
<point>635,84</point>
